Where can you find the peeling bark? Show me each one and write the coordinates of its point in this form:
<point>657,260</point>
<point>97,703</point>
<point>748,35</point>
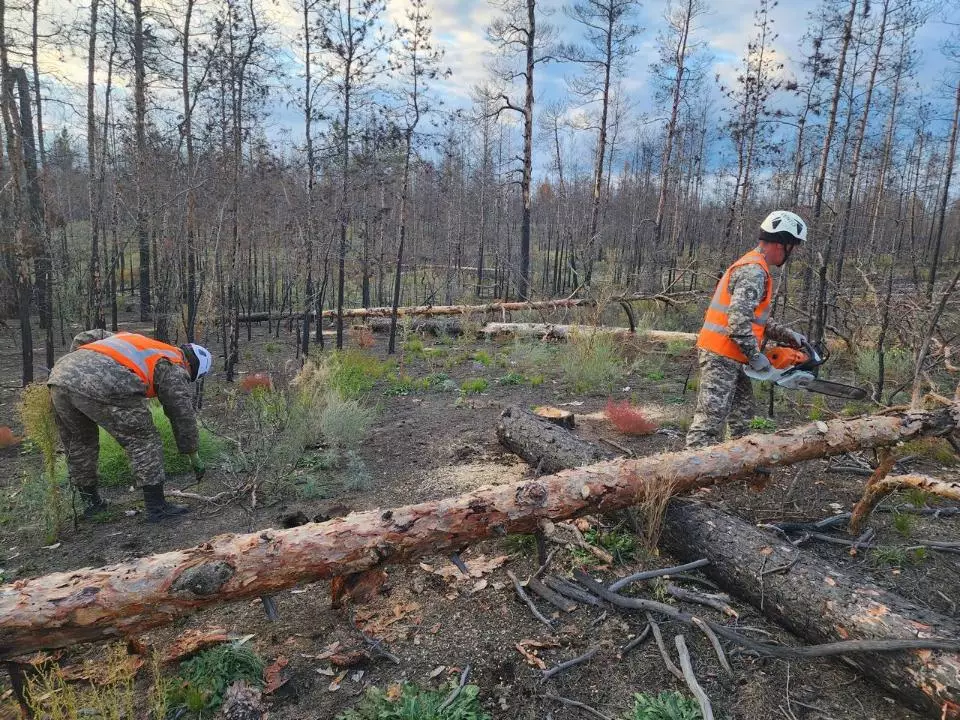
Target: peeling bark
<point>81,605</point>
<point>876,491</point>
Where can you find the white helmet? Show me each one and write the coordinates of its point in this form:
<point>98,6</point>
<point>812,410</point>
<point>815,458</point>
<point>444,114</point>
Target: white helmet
<point>204,360</point>
<point>784,227</point>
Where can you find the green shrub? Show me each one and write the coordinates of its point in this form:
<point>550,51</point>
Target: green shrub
<point>414,703</point>
<point>665,706</point>
<point>271,348</point>
<point>404,385</point>
<point>354,372</point>
<point>344,423</point>
<point>512,378</point>
<point>590,363</point>
<point>115,466</point>
<point>203,679</point>
<point>474,386</point>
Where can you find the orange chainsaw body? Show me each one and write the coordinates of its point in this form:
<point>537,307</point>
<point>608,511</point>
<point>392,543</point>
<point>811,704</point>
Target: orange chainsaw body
<point>786,357</point>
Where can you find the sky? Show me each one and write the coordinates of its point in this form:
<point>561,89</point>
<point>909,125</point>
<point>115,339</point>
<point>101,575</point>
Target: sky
<point>459,27</point>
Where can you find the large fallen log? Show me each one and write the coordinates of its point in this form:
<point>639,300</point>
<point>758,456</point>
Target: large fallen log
<point>64,608</point>
<point>551,331</point>
<point>822,604</point>
<point>789,585</point>
<point>538,331</point>
<point>493,307</point>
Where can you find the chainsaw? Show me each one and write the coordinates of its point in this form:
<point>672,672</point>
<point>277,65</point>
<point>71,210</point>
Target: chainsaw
<point>797,369</point>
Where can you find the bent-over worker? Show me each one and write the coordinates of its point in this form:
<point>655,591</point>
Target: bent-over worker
<point>107,383</point>
<point>734,330</point>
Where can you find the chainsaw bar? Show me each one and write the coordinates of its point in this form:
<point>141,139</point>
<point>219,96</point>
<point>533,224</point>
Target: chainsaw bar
<point>825,387</point>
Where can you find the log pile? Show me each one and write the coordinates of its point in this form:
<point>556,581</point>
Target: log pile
<point>65,608</point>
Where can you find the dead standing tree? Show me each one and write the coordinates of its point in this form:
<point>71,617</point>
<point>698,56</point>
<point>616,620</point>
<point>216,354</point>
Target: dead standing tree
<point>353,58</point>
<point>609,36</point>
<point>417,61</point>
<point>517,31</point>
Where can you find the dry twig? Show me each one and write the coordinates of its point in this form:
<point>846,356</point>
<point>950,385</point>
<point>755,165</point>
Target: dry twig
<point>698,692</point>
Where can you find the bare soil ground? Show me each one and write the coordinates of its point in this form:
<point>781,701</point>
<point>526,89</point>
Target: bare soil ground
<point>434,443</point>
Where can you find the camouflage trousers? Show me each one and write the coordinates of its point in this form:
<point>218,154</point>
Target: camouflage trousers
<point>78,418</point>
<point>725,399</point>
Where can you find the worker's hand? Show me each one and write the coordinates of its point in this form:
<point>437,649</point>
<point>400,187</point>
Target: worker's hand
<point>199,469</point>
<point>760,364</point>
<point>797,339</point>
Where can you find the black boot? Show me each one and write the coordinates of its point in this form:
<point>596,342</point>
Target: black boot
<point>157,506</point>
<point>92,502</point>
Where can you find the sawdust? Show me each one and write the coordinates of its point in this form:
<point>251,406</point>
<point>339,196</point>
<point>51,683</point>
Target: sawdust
<point>450,480</point>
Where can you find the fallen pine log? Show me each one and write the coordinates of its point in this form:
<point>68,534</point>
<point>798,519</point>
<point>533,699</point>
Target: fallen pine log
<point>492,307</point>
<point>550,331</point>
<point>789,585</point>
<point>65,608</point>
<point>821,604</point>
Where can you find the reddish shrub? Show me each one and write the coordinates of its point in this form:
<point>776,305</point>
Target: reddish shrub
<point>361,336</point>
<point>629,419</point>
<point>256,380</point>
<point>7,438</point>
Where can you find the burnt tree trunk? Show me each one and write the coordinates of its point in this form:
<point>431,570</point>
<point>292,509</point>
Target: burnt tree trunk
<point>88,604</point>
<point>545,445</point>
<point>822,604</point>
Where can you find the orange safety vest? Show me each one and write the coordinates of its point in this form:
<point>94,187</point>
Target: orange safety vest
<point>715,334</point>
<point>139,354</point>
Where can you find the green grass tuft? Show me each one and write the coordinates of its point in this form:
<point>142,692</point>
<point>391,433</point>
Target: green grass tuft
<point>474,386</point>
<point>591,363</point>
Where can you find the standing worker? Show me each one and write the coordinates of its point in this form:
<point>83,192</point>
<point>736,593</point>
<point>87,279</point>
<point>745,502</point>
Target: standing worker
<point>734,330</point>
<point>107,383</point>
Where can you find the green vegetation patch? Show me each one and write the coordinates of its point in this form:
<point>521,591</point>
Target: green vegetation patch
<point>409,702</point>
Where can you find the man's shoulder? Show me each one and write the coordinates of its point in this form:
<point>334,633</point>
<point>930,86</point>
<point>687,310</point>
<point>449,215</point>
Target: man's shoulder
<point>752,273</point>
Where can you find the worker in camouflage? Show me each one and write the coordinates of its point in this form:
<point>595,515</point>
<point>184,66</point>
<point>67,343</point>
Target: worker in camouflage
<point>735,328</point>
<point>105,383</point>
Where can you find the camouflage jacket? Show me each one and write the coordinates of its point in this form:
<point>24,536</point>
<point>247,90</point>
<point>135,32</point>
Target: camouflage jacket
<point>747,285</point>
<point>106,381</point>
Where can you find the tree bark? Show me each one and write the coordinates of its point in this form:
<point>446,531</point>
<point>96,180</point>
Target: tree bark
<point>822,604</point>
<point>66,608</point>
<point>544,444</point>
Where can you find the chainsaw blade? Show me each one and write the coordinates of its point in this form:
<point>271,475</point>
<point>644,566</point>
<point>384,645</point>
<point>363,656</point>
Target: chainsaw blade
<point>825,387</point>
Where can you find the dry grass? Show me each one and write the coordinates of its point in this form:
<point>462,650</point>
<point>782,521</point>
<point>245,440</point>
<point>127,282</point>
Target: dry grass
<point>652,505</point>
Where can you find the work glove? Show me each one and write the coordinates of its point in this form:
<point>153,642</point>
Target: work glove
<point>760,364</point>
<point>797,339</point>
<point>199,469</point>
